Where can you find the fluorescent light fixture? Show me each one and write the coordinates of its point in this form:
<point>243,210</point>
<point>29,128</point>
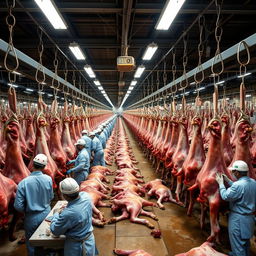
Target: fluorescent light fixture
<point>131,88</point>
<point>17,73</point>
<point>50,95</point>
<point>13,85</point>
<point>195,92</point>
<point>221,82</point>
<point>97,82</point>
<point>89,71</point>
<point>42,92</point>
<point>168,14</point>
<point>150,51</point>
<point>248,95</point>
<point>29,90</point>
<point>139,71</point>
<point>43,83</point>
<point>63,98</point>
<point>227,98</point>
<point>192,83</point>
<point>102,91</point>
<point>76,50</point>
<point>129,91</point>
<point>186,93</point>
<point>201,88</point>
<point>133,82</point>
<point>52,14</point>
<point>100,88</point>
<point>246,74</point>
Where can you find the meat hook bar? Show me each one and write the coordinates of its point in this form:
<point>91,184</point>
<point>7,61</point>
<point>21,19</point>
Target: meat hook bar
<point>230,52</point>
<point>34,64</point>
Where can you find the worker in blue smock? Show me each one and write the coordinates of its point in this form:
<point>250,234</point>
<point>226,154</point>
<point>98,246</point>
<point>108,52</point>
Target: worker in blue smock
<point>33,198</point>
<point>100,135</point>
<point>242,201</point>
<point>82,163</point>
<point>98,158</point>
<point>88,142</point>
<point>75,221</point>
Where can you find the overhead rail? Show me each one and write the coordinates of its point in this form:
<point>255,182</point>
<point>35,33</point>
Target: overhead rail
<point>227,54</point>
<point>34,64</point>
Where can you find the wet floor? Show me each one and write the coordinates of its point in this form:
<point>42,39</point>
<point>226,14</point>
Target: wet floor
<point>180,233</point>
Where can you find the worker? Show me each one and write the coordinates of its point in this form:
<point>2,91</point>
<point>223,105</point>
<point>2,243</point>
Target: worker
<point>33,197</point>
<point>97,148</point>
<point>88,142</point>
<point>100,135</point>
<point>82,162</point>
<point>242,201</point>
<point>75,221</point>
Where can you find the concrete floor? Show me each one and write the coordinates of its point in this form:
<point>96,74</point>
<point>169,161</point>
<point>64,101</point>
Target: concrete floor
<point>180,233</point>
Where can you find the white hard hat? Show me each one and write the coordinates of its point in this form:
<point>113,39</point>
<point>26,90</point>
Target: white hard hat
<point>84,131</point>
<point>69,186</point>
<point>40,159</point>
<point>240,166</point>
<point>91,133</point>
<point>80,142</point>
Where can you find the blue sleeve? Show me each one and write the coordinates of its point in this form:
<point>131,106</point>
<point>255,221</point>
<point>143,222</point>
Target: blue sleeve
<point>20,199</point>
<point>61,223</point>
<point>79,167</point>
<point>231,194</point>
<point>51,192</point>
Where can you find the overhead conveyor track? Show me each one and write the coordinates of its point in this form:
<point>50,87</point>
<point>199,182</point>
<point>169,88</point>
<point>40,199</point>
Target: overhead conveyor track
<point>227,55</point>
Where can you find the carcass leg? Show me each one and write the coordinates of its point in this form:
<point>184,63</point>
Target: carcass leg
<point>202,217</point>
<point>192,200</point>
<point>102,204</point>
<point>214,204</point>
<point>148,214</point>
<point>134,217</point>
<point>123,216</point>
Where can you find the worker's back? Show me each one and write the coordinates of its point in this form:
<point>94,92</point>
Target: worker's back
<point>246,187</point>
<point>34,193</point>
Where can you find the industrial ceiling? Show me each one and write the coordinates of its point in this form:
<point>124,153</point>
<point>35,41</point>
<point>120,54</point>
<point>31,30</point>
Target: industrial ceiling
<point>102,28</point>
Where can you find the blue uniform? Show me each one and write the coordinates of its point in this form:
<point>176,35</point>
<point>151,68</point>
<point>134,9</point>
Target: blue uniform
<point>88,144</point>
<point>102,139</point>
<point>82,166</point>
<point>98,152</point>
<point>33,198</point>
<point>242,201</point>
<point>75,222</point>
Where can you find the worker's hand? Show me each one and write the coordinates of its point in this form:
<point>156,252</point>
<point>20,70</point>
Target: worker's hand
<point>69,171</point>
<point>70,162</point>
<point>219,178</point>
<point>226,178</point>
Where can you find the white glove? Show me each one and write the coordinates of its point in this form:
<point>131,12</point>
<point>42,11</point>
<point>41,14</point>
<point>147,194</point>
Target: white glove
<point>219,178</point>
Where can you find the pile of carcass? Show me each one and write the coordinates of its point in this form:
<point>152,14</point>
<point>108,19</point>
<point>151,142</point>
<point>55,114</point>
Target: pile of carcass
<point>27,131</point>
<point>190,146</point>
<point>109,151</point>
<point>127,189</point>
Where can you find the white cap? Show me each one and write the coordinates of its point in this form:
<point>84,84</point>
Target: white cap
<point>84,132</point>
<point>40,159</point>
<point>91,133</point>
<point>240,166</point>
<point>69,186</point>
<point>80,142</point>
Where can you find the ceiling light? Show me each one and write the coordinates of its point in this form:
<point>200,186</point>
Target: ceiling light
<point>139,71</point>
<point>29,90</point>
<point>52,14</point>
<point>76,50</point>
<point>201,88</point>
<point>97,82</point>
<point>246,74</point>
<point>248,95</point>
<point>150,51</point>
<point>17,73</point>
<point>43,83</point>
<point>227,98</point>
<point>168,14</point>
<point>131,88</point>
<point>102,91</point>
<point>221,82</point>
<point>133,82</point>
<point>192,83</point>
<point>89,71</point>
<point>13,85</point>
<point>100,88</point>
<point>50,95</point>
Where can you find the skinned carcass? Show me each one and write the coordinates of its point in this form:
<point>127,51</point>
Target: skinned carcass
<point>131,205</point>
<point>162,193</point>
<point>131,252</point>
<point>204,250</point>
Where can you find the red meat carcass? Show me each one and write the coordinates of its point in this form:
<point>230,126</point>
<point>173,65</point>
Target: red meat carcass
<point>131,252</point>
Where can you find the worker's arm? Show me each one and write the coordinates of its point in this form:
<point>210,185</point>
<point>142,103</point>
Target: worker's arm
<point>19,203</point>
<point>60,223</point>
<point>232,193</point>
